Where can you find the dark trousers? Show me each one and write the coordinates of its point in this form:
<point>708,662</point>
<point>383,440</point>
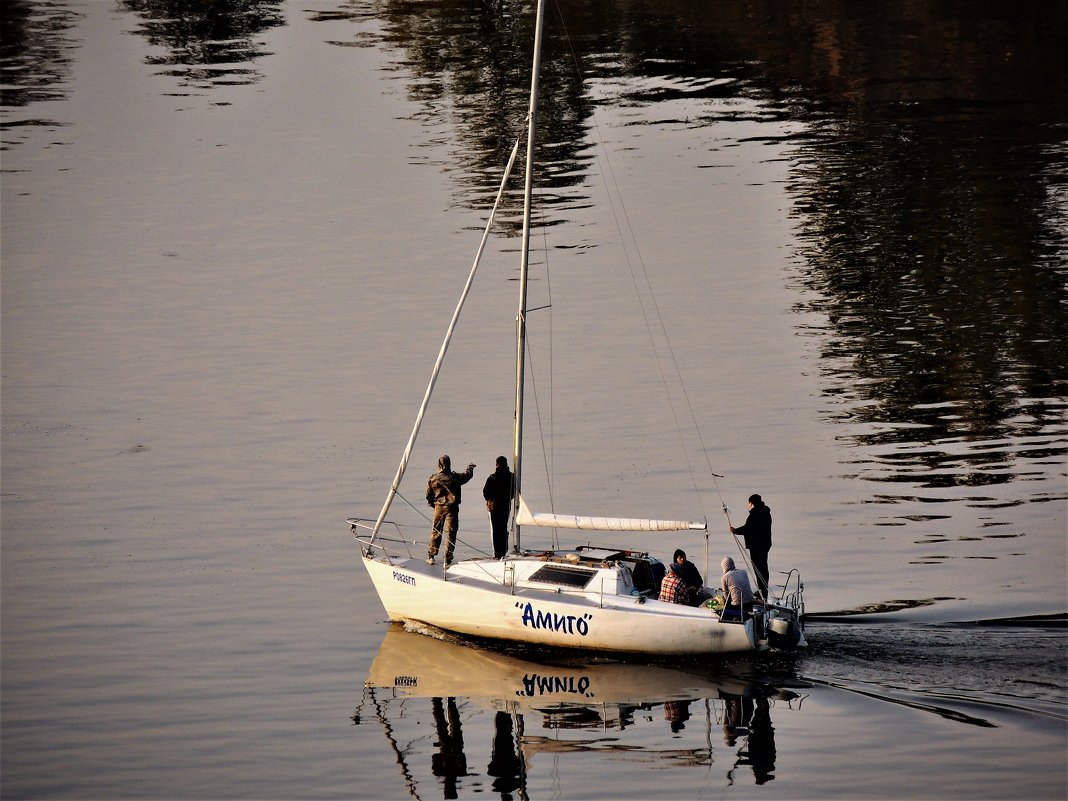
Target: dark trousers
<point>499,521</point>
<point>760,566</point>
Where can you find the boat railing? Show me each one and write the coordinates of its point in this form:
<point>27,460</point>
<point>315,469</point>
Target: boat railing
<point>372,544</point>
<point>732,614</point>
<point>793,592</point>
<point>509,577</point>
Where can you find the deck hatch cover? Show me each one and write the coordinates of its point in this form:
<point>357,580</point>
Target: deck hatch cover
<point>560,574</point>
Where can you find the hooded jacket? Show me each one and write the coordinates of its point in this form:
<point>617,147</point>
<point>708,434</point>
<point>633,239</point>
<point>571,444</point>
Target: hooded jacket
<point>688,572</point>
<point>499,489</point>
<point>444,486</point>
<point>736,584</point>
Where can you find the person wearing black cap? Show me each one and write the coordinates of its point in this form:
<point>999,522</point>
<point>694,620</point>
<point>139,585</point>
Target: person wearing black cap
<point>757,534</point>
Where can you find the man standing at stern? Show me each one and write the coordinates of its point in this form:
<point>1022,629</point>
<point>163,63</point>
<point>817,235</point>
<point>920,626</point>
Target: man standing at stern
<point>757,534</point>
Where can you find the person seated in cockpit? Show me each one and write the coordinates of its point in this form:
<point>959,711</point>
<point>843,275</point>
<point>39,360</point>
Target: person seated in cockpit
<point>672,589</point>
<point>737,590</point>
<point>688,572</point>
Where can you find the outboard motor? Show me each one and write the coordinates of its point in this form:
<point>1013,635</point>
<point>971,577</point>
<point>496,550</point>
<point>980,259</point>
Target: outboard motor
<point>784,632</point>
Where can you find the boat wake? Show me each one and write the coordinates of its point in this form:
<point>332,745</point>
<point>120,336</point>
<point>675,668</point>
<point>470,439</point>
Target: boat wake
<point>964,669</point>
<point>880,608</point>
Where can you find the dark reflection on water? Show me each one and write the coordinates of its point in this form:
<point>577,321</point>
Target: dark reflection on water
<point>929,203</point>
<point>207,44</point>
<point>735,730</point>
<point>35,56</point>
<point>35,51</point>
<point>203,44</point>
<point>467,66</point>
<point>927,181</point>
<point>747,719</point>
<point>716,715</point>
<point>927,159</point>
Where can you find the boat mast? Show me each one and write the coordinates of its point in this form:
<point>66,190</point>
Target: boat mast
<point>521,316</point>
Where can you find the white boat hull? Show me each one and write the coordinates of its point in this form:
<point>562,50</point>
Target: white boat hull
<point>475,598</point>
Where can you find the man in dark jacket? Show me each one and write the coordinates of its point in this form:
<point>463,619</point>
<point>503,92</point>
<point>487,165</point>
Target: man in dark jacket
<point>498,492</point>
<point>757,534</point>
<point>443,493</point>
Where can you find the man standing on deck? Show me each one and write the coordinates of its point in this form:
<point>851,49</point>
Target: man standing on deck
<point>757,534</point>
<point>498,492</point>
<point>443,493</point>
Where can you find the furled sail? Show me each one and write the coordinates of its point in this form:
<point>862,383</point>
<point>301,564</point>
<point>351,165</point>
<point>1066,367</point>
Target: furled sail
<point>526,518</point>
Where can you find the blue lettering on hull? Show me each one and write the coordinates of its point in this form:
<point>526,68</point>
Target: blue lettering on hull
<point>537,685</point>
<point>565,624</point>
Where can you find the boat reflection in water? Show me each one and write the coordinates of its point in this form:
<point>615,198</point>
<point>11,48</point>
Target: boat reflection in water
<point>454,707</point>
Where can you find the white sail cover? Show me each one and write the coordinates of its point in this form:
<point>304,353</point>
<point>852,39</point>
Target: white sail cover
<point>526,518</point>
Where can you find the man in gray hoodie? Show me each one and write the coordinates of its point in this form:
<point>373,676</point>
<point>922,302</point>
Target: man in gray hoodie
<point>736,587</point>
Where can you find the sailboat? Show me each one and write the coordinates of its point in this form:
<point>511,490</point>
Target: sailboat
<point>602,599</point>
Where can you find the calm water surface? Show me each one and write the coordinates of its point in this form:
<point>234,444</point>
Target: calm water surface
<point>232,240</point>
